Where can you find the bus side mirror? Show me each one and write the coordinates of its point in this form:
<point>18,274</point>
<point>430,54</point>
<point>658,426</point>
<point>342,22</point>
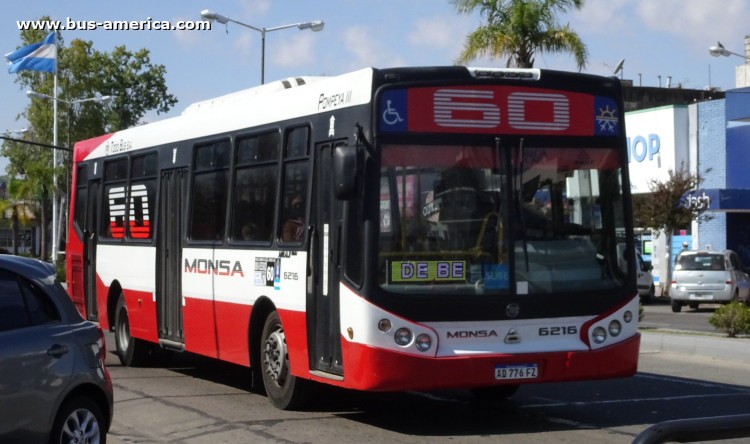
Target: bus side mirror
<point>345,172</point>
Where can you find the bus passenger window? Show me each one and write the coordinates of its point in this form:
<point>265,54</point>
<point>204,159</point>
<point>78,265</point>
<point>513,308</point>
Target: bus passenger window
<point>255,184</point>
<point>209,198</point>
<point>296,175</point>
<point>115,198</point>
<point>142,196</point>
<point>297,143</point>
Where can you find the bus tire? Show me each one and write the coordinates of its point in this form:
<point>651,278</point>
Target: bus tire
<point>132,352</point>
<point>285,391</point>
<point>676,306</point>
<point>495,393</point>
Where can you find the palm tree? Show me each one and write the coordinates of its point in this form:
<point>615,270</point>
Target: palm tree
<point>19,197</point>
<point>517,29</point>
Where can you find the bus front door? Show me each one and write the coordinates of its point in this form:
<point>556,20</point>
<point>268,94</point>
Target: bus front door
<point>90,234</point>
<point>327,221</point>
<point>169,256</point>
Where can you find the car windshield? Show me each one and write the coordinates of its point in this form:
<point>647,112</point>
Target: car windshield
<point>700,262</point>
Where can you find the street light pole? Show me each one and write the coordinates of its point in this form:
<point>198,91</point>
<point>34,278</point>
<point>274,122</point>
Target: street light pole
<point>263,58</point>
<point>314,26</point>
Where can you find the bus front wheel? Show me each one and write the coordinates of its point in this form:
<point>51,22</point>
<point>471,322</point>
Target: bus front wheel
<point>285,391</point>
<point>131,351</point>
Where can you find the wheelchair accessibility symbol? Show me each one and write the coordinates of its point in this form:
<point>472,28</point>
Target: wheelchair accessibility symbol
<point>390,115</point>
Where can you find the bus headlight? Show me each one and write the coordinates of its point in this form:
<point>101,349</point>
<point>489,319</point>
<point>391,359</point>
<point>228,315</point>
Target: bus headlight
<point>627,317</point>
<point>599,335</point>
<point>615,328</point>
<point>402,336</point>
<point>423,342</point>
<point>384,325</point>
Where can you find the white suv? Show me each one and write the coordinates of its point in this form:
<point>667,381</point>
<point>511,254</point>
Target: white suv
<point>708,276</point>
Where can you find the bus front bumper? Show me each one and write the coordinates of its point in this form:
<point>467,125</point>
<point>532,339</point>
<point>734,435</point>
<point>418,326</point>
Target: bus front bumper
<point>375,369</point>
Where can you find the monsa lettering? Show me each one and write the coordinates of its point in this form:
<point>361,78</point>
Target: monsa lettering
<point>472,334</point>
<point>217,267</point>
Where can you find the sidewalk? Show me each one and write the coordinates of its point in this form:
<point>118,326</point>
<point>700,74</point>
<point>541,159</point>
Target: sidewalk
<point>718,348</point>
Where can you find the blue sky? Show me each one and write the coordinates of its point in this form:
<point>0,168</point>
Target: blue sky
<point>664,37</point>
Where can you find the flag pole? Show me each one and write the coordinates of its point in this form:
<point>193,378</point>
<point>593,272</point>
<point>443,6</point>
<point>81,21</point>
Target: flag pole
<point>54,166</point>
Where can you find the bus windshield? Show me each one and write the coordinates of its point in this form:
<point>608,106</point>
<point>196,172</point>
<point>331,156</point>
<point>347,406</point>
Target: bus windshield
<point>570,223</point>
<point>444,215</point>
<point>441,223</point>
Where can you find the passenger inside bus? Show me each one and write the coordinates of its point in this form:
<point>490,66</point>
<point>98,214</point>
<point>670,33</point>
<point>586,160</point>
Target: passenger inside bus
<point>294,227</point>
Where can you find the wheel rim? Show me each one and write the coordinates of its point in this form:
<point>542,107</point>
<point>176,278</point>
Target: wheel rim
<point>81,427</point>
<point>123,331</point>
<point>276,359</point>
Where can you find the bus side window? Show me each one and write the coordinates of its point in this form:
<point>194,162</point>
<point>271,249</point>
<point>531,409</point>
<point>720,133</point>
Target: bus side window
<point>79,216</point>
<point>142,196</point>
<point>255,184</point>
<point>208,202</point>
<point>115,198</point>
<point>296,178</point>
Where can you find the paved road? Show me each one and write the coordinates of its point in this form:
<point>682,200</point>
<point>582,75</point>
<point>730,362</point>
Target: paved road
<point>658,314</point>
<point>197,400</point>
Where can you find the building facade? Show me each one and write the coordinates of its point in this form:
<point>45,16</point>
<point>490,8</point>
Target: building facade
<point>713,138</point>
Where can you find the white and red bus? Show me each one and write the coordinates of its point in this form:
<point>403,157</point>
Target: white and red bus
<point>396,229</point>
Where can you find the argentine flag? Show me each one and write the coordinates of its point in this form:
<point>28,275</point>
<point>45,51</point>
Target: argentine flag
<point>37,57</point>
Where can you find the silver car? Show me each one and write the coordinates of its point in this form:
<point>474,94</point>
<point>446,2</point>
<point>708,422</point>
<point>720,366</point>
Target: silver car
<point>54,386</point>
<point>708,276</point>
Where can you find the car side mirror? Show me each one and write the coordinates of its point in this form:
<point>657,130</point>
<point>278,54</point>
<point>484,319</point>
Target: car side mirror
<point>346,171</point>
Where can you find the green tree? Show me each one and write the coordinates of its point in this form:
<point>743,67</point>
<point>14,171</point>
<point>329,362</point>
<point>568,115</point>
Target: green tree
<point>519,29</point>
<point>668,207</point>
<point>19,202</point>
<point>137,85</point>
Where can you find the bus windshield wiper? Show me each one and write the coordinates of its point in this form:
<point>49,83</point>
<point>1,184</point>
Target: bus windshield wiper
<point>519,202</point>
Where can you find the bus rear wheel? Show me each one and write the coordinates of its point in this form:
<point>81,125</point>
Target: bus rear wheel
<point>496,393</point>
<point>285,391</point>
<point>132,352</point>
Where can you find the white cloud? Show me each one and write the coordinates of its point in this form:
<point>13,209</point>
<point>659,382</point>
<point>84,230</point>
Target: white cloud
<point>366,50</point>
<point>292,51</point>
<point>187,38</point>
<point>244,43</point>
<point>699,21</point>
<point>441,32</point>
<point>602,15</point>
<point>255,7</point>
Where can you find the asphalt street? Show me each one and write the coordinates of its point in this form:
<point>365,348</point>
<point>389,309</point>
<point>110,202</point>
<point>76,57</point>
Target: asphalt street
<point>658,314</point>
<point>197,400</point>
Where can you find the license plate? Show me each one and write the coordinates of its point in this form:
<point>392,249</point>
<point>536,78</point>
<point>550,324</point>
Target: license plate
<point>518,371</point>
<point>701,296</point>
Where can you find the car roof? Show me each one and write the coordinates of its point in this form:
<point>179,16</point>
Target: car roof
<point>721,252</point>
<point>42,274</point>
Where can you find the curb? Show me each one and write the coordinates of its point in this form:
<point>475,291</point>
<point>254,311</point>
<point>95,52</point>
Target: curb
<point>718,348</point>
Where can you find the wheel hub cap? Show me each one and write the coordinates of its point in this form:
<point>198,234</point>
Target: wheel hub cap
<point>123,332</point>
<point>81,427</point>
<point>276,358</point>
